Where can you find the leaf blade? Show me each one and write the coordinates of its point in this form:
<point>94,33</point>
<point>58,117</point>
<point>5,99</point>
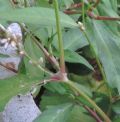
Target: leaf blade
<point>37,15</point>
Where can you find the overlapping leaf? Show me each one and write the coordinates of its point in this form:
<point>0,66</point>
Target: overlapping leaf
<point>107,46</point>
<point>37,16</point>
<point>35,54</point>
<point>55,114</point>
<point>13,86</point>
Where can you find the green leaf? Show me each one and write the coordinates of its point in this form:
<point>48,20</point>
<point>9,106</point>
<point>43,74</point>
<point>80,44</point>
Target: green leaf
<point>58,113</point>
<point>37,16</point>
<point>68,3</point>
<point>35,53</point>
<point>56,87</point>
<point>116,119</point>
<point>74,57</point>
<point>114,4</point>
<point>79,114</point>
<point>43,3</point>
<point>5,5</point>
<point>116,107</point>
<point>73,39</point>
<point>108,11</point>
<point>12,86</point>
<point>107,47</point>
<point>52,99</point>
<point>84,89</point>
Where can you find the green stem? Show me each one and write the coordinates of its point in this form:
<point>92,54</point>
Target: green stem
<point>97,59</point>
<point>101,84</point>
<point>60,42</point>
<point>98,62</point>
<point>83,12</point>
<point>100,67</point>
<point>50,58</point>
<point>100,112</point>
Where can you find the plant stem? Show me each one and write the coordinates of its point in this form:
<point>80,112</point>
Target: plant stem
<point>83,12</point>
<point>100,112</point>
<point>50,58</point>
<point>90,111</point>
<point>59,33</point>
<point>93,113</point>
<point>96,57</point>
<point>94,6</point>
<point>101,69</point>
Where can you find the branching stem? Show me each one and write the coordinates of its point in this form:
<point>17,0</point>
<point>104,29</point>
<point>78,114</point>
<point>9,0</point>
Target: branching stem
<point>99,111</point>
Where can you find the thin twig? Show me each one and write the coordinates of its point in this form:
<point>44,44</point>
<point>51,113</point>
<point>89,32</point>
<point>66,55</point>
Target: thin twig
<point>89,12</point>
<point>92,15</point>
<point>94,105</point>
<point>70,12</point>
<point>9,68</point>
<point>49,57</point>
<point>94,5</point>
<point>77,5</point>
<point>93,113</point>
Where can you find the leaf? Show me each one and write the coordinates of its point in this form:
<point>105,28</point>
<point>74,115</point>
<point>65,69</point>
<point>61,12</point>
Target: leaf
<point>84,89</point>
<point>68,3</point>
<point>116,119</point>
<point>116,107</point>
<point>86,80</point>
<point>56,88</point>
<point>106,10</point>
<point>74,57</point>
<point>107,47</point>
<point>73,39</point>
<point>79,114</point>
<point>52,99</point>
<point>37,16</point>
<point>43,3</point>
<point>35,53</point>
<point>13,86</point>
<point>58,113</point>
<point>5,5</point>
<point>102,101</point>
<point>114,4</point>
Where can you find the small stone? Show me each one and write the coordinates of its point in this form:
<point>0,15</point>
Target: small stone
<point>6,45</point>
<point>3,41</point>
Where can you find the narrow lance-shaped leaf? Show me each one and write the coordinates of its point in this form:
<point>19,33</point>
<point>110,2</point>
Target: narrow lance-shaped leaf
<point>107,45</point>
<point>73,57</point>
<point>37,15</point>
